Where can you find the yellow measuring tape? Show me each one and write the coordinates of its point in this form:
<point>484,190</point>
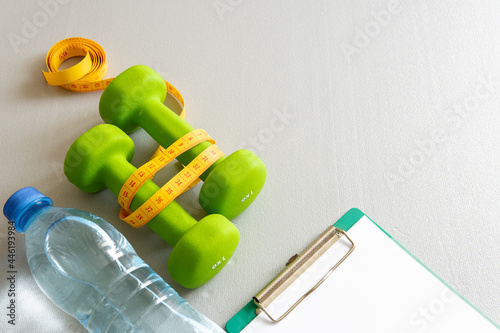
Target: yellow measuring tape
<point>172,189</point>
<point>181,182</point>
<point>160,159</point>
<point>88,75</point>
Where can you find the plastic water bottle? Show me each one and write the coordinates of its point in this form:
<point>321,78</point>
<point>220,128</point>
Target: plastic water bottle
<point>86,267</point>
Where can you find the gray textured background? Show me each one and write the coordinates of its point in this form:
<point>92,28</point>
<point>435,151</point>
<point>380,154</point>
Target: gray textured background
<point>391,107</point>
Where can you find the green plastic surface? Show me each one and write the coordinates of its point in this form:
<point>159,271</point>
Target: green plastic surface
<point>206,248</point>
<point>100,158</point>
<point>243,317</point>
<point>234,185</point>
<point>135,99</point>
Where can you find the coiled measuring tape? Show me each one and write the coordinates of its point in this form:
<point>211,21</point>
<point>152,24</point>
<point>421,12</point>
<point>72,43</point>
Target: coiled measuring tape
<point>88,75</point>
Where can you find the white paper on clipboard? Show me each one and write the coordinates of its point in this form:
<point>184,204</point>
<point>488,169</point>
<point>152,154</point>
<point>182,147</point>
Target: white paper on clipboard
<point>379,288</point>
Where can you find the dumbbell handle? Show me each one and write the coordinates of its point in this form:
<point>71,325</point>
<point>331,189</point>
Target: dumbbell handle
<point>171,223</point>
<point>156,118</point>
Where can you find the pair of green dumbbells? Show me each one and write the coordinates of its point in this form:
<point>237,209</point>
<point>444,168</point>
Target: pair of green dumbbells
<point>101,157</point>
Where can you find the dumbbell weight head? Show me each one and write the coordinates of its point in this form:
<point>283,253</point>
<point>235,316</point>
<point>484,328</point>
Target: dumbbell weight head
<point>90,157</point>
<point>204,248</point>
<point>234,184</point>
<point>135,99</point>
<point>125,98</point>
<point>100,158</point>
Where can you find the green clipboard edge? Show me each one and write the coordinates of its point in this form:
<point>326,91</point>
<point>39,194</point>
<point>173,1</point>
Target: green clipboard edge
<point>241,319</point>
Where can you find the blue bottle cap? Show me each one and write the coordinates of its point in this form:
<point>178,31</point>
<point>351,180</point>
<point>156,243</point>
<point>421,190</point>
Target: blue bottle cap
<point>20,202</point>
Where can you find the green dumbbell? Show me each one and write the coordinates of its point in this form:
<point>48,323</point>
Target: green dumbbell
<point>101,157</point>
<point>135,99</point>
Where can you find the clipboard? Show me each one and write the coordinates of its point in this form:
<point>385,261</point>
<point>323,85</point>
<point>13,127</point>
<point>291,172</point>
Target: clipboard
<point>356,278</point>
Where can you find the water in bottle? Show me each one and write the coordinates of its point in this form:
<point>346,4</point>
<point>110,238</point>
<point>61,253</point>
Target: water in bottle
<point>86,267</point>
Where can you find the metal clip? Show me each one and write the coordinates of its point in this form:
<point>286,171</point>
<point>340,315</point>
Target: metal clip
<point>299,265</point>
